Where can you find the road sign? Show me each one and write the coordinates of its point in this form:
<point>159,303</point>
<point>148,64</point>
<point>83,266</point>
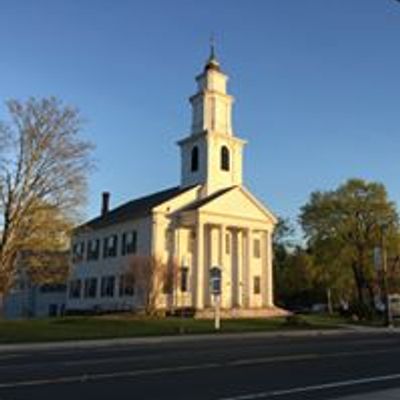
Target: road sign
<point>215,280</point>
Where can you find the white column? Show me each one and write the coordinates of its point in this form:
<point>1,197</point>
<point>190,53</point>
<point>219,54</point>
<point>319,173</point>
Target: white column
<point>176,258</point>
<point>176,244</point>
<point>222,232</point>
<point>222,265</point>
<point>270,270</point>
<point>199,280</point>
<point>234,269</point>
<point>238,262</point>
<point>247,268</point>
<point>213,244</point>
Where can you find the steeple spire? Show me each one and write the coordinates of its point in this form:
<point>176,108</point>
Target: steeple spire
<point>212,62</point>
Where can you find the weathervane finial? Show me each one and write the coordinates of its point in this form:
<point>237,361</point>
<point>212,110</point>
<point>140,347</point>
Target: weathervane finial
<point>212,62</point>
<point>212,46</point>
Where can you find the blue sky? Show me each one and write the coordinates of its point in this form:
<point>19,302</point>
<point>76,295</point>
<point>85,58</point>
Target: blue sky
<point>316,83</point>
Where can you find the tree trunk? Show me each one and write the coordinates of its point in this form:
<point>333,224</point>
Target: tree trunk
<point>329,300</point>
<point>371,296</point>
<point>359,282</point>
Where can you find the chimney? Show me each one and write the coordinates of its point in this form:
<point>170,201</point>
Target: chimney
<point>105,204</point>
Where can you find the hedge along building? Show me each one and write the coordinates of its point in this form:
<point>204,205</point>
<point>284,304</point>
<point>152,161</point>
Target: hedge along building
<point>210,219</point>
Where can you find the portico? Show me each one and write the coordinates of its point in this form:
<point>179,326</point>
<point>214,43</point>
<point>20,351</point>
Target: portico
<point>239,245</point>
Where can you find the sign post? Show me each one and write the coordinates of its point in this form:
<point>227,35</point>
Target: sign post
<point>217,318</point>
<point>215,284</point>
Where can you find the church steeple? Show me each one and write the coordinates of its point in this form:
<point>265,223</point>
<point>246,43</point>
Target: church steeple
<point>212,105</point>
<point>211,155</point>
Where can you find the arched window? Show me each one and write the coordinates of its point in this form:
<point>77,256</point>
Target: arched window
<point>225,158</point>
<point>195,159</point>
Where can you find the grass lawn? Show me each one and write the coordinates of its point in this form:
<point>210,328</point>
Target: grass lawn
<point>122,326</point>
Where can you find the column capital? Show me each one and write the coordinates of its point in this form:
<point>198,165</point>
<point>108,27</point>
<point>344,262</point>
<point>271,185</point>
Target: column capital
<point>200,219</point>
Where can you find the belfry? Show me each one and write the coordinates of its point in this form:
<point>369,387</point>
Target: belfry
<point>211,155</point>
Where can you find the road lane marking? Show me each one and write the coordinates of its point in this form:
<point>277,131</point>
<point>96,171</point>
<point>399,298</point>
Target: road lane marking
<point>94,361</point>
<point>266,360</point>
<point>303,357</point>
<point>110,360</point>
<point>123,374</point>
<point>356,353</point>
<point>234,363</point>
<point>314,388</point>
<point>102,376</point>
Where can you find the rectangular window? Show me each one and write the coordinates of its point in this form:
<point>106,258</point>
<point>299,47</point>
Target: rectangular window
<point>93,250</point>
<point>78,251</point>
<point>103,286</point>
<point>129,243</point>
<point>257,248</point>
<point>75,289</point>
<point>105,247</point>
<point>126,285</point>
<point>257,285</point>
<point>107,286</point>
<point>112,246</point>
<point>227,243</point>
<point>123,244</point>
<point>88,250</point>
<point>90,291</point>
<point>184,279</point>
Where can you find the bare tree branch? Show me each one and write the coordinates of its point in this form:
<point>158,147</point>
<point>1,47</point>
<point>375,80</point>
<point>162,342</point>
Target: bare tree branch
<point>44,167</point>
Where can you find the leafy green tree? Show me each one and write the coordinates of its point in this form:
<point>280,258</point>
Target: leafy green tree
<point>343,227</point>
<point>298,279</point>
<point>295,274</point>
<point>283,244</point>
<point>331,274</point>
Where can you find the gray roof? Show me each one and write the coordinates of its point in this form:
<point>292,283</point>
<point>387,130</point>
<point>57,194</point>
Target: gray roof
<point>199,203</point>
<point>134,209</point>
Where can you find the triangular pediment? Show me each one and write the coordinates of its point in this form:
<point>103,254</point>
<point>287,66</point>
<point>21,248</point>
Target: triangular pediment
<point>239,202</point>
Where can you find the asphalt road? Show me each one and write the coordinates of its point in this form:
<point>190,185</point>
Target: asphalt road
<point>234,368</point>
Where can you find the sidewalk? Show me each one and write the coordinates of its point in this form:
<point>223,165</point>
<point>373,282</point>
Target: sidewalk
<point>83,344</point>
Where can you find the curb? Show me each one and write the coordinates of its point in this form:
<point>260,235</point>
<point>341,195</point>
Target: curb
<point>100,343</point>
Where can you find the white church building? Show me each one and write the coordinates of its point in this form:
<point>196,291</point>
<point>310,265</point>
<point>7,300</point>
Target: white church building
<point>210,219</point>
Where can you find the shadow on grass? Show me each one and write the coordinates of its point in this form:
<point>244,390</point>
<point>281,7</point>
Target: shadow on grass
<point>125,326</point>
